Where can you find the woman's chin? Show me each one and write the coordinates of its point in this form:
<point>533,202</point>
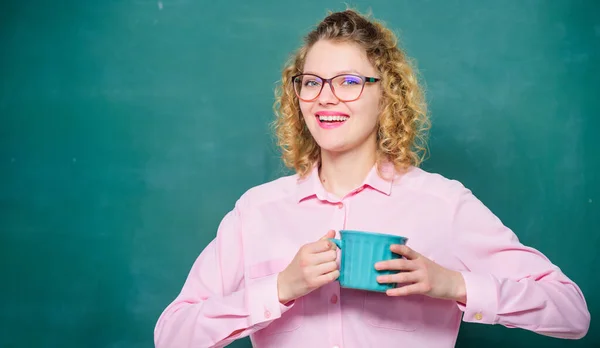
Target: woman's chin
<point>335,148</point>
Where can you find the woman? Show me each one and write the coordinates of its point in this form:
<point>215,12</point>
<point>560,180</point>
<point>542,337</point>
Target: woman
<point>351,122</point>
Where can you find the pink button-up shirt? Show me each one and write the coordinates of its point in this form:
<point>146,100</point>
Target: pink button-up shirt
<point>231,291</point>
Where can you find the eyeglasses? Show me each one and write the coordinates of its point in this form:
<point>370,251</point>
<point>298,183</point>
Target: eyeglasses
<point>345,87</point>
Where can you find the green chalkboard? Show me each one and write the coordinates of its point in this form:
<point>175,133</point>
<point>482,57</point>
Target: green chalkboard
<point>126,135</point>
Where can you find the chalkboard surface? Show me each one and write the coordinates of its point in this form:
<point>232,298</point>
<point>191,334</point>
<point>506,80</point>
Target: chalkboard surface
<point>128,129</point>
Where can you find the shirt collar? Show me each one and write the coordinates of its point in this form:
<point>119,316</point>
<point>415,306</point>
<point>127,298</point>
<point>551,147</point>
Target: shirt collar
<point>311,185</point>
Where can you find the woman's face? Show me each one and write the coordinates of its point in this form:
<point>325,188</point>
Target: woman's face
<point>341,126</point>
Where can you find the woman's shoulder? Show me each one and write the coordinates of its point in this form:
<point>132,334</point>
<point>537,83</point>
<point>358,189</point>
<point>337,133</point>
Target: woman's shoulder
<point>270,191</point>
<point>432,183</point>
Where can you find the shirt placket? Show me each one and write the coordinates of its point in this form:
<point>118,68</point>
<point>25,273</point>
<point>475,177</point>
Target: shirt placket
<point>334,304</point>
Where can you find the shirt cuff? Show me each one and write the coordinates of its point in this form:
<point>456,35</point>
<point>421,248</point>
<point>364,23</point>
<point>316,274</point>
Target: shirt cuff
<point>482,299</point>
<point>263,300</point>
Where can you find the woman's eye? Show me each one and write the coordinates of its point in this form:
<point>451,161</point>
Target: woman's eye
<point>311,83</point>
<point>350,82</point>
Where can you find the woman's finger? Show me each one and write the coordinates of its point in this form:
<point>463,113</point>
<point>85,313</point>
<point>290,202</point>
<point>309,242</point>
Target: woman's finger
<point>396,265</point>
<point>319,246</point>
<point>323,257</point>
<point>328,277</point>
<point>400,278</point>
<point>405,251</point>
<point>406,290</point>
<point>325,268</point>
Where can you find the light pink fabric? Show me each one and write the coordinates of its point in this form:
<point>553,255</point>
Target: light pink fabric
<point>232,285</point>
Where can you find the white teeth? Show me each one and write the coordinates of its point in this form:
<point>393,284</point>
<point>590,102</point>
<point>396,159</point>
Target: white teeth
<point>338,118</point>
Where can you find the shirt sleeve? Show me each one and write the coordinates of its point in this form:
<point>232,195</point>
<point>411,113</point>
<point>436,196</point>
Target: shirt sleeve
<point>509,283</point>
<point>216,306</point>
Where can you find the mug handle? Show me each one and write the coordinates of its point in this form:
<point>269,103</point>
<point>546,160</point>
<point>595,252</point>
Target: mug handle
<point>337,242</point>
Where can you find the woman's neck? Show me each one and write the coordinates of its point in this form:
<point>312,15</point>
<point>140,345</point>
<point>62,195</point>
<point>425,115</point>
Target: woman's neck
<point>341,173</point>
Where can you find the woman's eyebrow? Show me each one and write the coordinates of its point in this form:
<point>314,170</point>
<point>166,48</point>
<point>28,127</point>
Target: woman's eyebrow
<point>350,71</point>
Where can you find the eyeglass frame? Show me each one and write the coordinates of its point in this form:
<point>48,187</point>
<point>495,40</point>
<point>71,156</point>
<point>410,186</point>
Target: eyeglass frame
<point>329,81</point>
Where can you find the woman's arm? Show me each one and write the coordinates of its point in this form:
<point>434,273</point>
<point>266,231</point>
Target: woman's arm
<point>511,284</point>
<point>216,306</point>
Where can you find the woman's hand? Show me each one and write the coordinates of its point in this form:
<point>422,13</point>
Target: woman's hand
<point>313,266</point>
<point>419,275</point>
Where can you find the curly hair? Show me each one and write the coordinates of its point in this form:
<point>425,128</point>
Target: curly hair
<point>403,122</point>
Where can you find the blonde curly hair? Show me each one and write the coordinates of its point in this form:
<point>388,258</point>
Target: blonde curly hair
<point>403,122</point>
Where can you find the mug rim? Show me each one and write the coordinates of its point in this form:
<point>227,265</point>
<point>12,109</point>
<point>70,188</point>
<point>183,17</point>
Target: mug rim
<point>376,234</point>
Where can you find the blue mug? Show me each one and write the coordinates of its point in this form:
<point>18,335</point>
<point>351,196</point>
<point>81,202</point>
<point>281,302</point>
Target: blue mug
<point>359,252</point>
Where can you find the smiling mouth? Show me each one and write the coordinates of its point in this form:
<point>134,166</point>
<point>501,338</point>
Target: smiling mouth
<point>332,119</point>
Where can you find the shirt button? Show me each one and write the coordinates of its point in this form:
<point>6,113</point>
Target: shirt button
<point>267,314</point>
<point>340,205</point>
<point>478,316</point>
<point>334,299</point>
